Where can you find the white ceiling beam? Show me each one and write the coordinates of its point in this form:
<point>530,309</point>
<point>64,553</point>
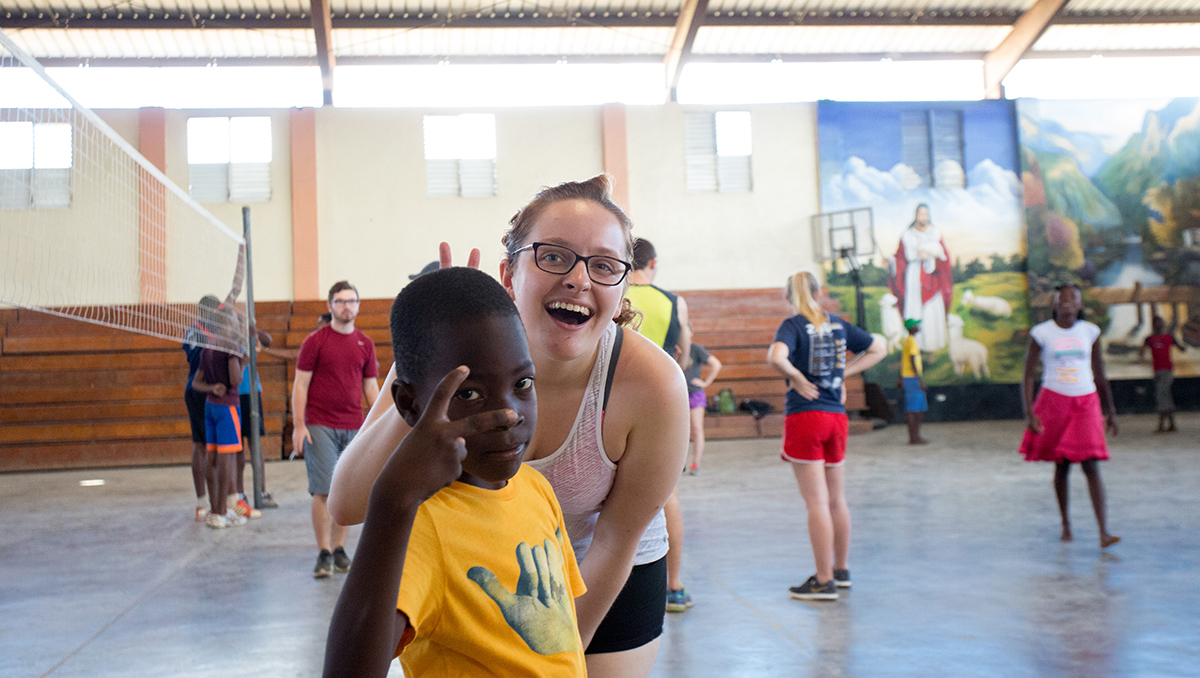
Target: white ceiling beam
<point>1025,32</point>
<point>691,16</point>
<point>323,28</point>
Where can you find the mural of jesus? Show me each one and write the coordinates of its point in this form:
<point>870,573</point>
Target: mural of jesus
<point>924,280</point>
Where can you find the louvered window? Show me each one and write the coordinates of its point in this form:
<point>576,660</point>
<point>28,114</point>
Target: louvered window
<point>35,165</point>
<point>229,159</point>
<point>718,150</point>
<point>460,155</point>
<point>932,145</point>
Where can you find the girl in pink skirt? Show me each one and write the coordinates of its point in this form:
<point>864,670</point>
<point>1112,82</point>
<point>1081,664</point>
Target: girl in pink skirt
<point>1065,424</point>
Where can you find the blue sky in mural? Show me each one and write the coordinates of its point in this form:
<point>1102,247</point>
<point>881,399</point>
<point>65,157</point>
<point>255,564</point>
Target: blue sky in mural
<point>871,131</point>
<point>861,164</point>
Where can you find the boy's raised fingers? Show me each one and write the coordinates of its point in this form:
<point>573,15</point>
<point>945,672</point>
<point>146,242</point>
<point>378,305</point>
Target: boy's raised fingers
<point>484,421</point>
<point>439,404</point>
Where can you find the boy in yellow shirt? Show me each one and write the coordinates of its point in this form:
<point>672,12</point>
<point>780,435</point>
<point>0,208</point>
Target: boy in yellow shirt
<point>915,403</point>
<point>464,566</point>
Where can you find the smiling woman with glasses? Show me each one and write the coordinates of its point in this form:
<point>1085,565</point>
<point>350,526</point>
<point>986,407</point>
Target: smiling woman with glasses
<point>613,419</point>
<point>560,260</point>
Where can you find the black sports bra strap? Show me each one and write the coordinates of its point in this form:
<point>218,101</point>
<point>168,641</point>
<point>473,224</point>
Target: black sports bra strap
<point>612,365</point>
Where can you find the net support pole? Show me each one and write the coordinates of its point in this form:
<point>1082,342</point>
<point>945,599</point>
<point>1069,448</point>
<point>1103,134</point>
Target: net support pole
<point>256,460</point>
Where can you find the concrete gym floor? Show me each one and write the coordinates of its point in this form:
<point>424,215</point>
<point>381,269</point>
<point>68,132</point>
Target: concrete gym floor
<point>956,564</point>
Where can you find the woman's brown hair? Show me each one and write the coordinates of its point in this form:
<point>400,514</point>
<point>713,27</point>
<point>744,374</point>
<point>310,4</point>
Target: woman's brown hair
<point>598,189</point>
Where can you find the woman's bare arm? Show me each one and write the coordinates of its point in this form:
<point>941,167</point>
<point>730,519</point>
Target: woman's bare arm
<point>364,458</point>
<point>867,359</point>
<point>651,389</point>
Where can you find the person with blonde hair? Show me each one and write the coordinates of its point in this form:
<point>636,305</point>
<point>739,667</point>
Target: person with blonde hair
<point>809,350</point>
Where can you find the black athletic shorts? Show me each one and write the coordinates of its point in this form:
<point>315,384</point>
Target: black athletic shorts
<point>195,407</point>
<point>636,616</point>
<point>262,429</point>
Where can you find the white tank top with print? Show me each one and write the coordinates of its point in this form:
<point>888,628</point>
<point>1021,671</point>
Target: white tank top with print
<point>581,473</point>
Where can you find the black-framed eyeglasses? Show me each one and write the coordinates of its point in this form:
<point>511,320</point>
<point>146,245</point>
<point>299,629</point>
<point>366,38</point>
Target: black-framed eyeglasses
<point>345,302</point>
<point>559,260</point>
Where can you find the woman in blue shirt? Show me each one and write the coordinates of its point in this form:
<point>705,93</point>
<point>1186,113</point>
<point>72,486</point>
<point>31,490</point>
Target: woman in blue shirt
<point>809,350</point>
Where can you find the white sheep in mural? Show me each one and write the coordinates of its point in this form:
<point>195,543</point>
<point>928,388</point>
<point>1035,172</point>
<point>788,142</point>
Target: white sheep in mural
<point>893,323</point>
<point>993,305</point>
<point>966,352</point>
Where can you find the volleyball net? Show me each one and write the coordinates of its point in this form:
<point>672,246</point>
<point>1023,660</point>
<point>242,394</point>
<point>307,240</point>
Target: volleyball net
<point>92,230</point>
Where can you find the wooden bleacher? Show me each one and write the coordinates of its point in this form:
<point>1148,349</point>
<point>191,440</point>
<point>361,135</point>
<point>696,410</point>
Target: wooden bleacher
<point>77,395</point>
<point>737,326</point>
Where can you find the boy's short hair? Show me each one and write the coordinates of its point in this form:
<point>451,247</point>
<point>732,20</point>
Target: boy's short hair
<point>341,286</point>
<point>445,296</point>
<point>643,253</point>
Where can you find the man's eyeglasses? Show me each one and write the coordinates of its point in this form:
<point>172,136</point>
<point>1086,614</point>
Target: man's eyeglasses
<point>345,302</point>
<point>559,260</point>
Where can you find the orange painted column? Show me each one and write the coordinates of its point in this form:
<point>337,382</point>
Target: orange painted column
<point>152,206</point>
<point>615,151</point>
<point>305,272</point>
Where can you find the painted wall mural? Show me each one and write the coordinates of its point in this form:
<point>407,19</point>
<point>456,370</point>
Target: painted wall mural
<point>941,180</point>
<point>1112,201</point>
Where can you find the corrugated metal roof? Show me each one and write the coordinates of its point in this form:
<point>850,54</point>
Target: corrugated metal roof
<point>1104,38</point>
<point>52,43</point>
<point>846,40</point>
<point>501,42</point>
<point>430,29</point>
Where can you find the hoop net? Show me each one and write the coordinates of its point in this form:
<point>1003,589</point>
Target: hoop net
<point>91,230</point>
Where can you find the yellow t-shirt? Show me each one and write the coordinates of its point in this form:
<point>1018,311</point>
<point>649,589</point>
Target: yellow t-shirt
<point>489,584</point>
<point>908,351</point>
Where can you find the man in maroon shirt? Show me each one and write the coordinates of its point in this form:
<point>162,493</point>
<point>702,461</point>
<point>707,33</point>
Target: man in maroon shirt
<point>336,368</point>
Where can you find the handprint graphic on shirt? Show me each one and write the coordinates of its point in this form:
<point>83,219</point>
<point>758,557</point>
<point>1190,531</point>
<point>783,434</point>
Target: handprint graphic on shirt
<point>540,610</point>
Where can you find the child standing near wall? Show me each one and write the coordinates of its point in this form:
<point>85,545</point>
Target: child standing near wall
<point>1160,344</point>
<point>911,370</point>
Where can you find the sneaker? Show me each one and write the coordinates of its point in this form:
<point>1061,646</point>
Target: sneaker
<point>268,501</point>
<point>694,470</point>
<point>842,578</point>
<point>245,510</point>
<point>234,519</point>
<point>202,513</point>
<point>678,601</point>
<point>324,566</point>
<point>814,590</point>
<point>217,522</point>
<point>341,561</point>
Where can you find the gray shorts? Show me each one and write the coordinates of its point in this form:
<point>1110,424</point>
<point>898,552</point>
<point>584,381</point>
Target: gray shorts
<point>1162,390</point>
<point>322,455</point>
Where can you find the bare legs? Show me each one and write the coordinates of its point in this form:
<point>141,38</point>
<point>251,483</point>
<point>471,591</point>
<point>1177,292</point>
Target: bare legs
<point>635,663</point>
<point>914,428</point>
<point>697,415</point>
<point>674,517</point>
<point>330,535</point>
<point>201,467</point>
<point>823,490</point>
<point>220,480</point>
<point>1091,470</point>
<point>1166,422</point>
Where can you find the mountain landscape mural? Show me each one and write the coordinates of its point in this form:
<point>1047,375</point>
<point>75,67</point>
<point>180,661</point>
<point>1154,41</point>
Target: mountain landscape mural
<point>1112,201</point>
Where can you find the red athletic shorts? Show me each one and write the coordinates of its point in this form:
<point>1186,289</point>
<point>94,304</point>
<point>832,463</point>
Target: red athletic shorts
<point>815,437</point>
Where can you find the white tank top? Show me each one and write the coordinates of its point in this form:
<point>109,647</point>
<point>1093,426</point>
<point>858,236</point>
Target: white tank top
<point>582,474</point>
<point>1067,356</point>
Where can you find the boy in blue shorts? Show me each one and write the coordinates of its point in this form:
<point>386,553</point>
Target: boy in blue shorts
<point>463,566</point>
<point>911,370</point>
<point>219,375</point>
